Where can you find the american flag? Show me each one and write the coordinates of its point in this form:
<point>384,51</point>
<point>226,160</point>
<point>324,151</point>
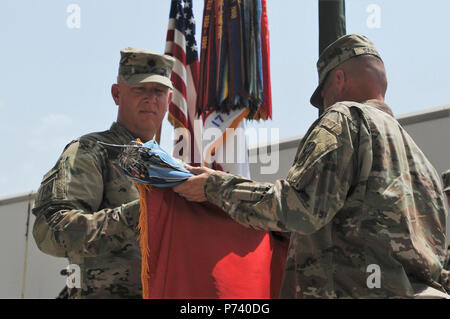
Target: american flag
<point>181,44</point>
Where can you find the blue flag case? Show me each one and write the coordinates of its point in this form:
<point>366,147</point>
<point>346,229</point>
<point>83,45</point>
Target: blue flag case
<point>149,164</point>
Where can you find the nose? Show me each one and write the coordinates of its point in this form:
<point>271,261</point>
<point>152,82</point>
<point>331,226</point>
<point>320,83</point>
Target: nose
<point>150,96</point>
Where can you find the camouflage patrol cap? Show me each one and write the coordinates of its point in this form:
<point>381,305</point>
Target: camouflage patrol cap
<point>339,51</point>
<point>142,66</point>
<point>446,180</point>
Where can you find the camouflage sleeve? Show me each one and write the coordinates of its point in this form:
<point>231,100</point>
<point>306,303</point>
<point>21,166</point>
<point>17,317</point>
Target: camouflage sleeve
<point>315,189</point>
<point>68,219</point>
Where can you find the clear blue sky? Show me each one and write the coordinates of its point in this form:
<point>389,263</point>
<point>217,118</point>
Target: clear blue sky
<point>55,81</point>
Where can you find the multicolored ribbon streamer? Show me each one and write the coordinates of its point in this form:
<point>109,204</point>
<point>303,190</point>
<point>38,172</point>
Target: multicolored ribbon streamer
<point>234,63</point>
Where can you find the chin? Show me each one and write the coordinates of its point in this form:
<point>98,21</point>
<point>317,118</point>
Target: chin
<point>147,127</point>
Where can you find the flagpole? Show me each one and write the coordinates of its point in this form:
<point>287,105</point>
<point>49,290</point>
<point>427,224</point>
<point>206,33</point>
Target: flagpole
<point>332,23</point>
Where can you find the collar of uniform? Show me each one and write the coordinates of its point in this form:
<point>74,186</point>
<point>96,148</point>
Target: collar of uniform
<point>379,105</point>
<point>123,135</point>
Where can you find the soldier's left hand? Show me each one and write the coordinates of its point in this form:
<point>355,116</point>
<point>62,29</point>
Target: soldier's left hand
<point>193,188</point>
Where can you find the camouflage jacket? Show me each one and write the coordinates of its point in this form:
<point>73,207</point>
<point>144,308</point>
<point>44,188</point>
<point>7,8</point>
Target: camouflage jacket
<point>364,205</point>
<point>87,210</point>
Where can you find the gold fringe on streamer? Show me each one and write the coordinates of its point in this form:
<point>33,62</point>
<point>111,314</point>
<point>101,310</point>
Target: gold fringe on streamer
<point>143,238</point>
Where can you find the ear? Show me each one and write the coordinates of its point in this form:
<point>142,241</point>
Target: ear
<point>340,79</point>
<point>169,99</point>
<point>115,92</point>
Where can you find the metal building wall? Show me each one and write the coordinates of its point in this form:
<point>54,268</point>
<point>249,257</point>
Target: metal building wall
<point>41,278</point>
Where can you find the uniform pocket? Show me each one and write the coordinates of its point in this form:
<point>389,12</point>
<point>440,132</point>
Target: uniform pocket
<point>52,186</point>
<point>319,144</point>
<point>47,187</point>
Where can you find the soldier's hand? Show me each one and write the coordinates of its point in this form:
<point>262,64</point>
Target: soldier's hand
<point>193,188</point>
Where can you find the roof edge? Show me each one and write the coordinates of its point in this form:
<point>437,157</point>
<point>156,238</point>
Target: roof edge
<point>425,115</point>
<point>13,199</point>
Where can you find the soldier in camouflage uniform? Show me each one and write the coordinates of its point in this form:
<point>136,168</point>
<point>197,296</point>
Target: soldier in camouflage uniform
<point>446,180</point>
<point>364,206</point>
<point>86,209</point>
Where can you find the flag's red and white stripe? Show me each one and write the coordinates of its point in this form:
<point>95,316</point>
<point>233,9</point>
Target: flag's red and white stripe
<point>184,78</point>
